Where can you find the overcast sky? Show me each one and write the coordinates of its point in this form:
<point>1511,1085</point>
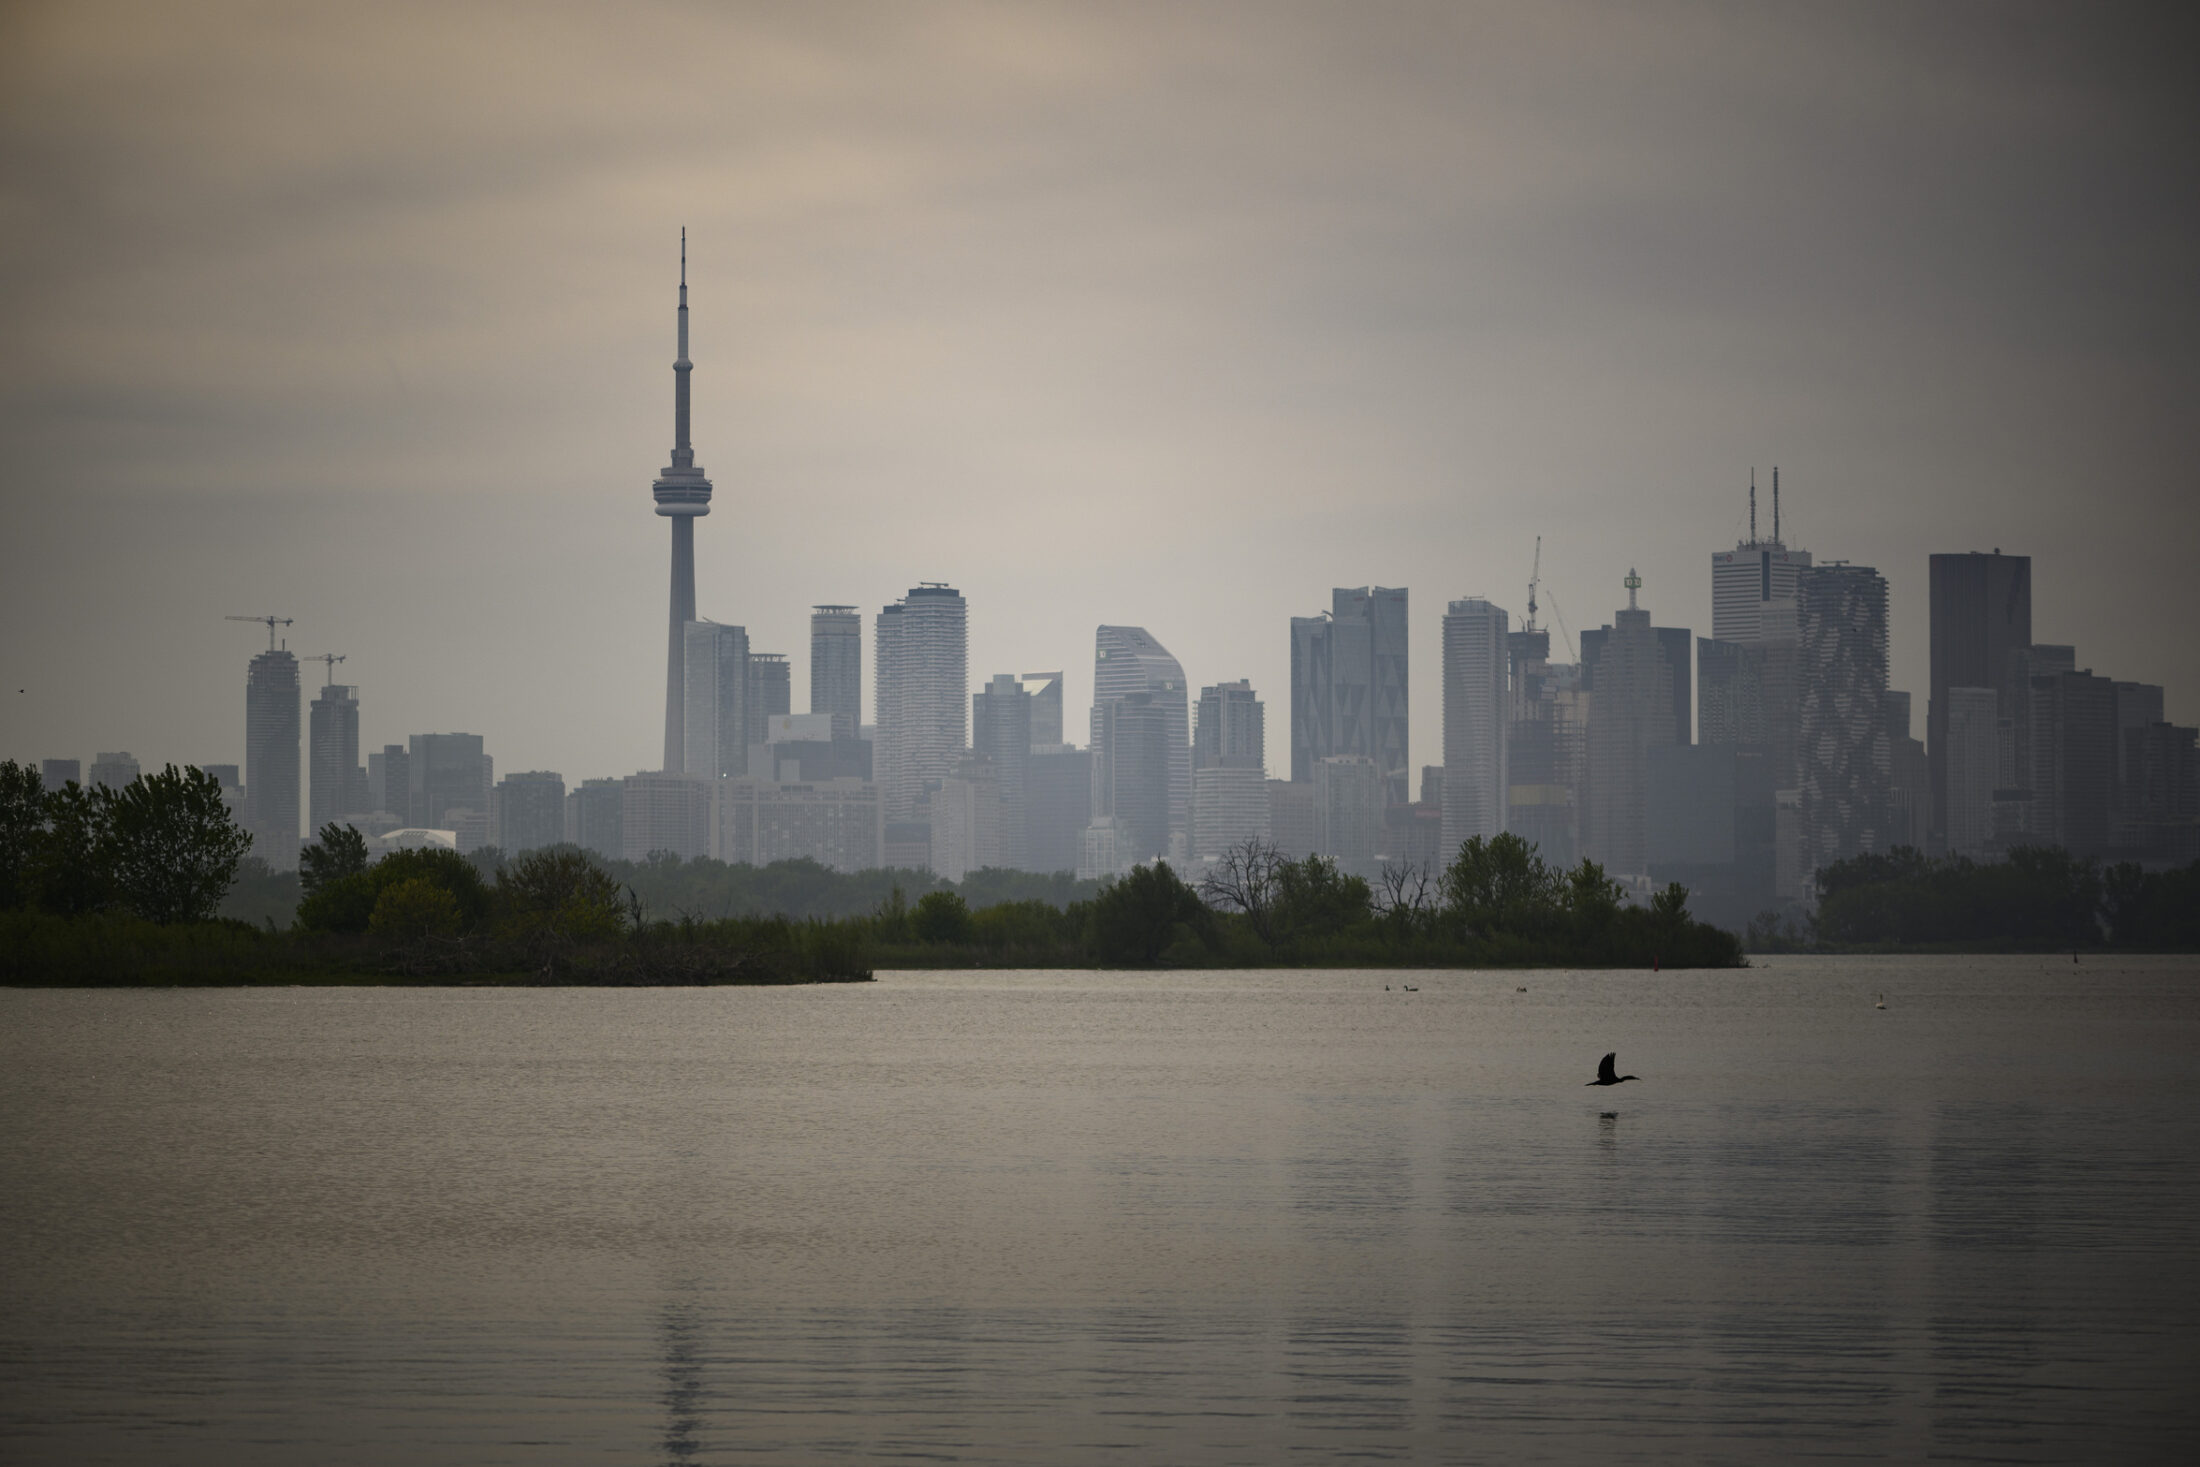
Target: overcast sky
<point>1175,315</point>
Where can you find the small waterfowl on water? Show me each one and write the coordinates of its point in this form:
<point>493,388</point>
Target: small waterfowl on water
<point>1882,1003</point>
<point>1607,1073</point>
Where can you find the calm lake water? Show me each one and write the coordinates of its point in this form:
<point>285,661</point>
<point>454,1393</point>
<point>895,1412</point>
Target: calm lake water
<point>1043,1217</point>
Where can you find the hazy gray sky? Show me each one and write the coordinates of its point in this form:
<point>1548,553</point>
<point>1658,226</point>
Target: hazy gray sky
<point>1174,314</point>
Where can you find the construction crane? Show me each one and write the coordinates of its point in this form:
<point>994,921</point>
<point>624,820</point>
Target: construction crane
<point>329,659</point>
<point>1535,578</point>
<point>272,623</point>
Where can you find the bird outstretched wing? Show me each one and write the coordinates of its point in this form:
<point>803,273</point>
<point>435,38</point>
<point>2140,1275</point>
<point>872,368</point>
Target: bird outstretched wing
<point>1607,1072</point>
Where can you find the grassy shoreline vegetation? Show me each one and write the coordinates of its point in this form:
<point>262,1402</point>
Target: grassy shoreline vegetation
<point>106,887</point>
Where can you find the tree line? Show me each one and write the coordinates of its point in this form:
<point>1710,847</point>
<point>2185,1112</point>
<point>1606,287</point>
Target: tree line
<point>2040,897</point>
<point>124,885</point>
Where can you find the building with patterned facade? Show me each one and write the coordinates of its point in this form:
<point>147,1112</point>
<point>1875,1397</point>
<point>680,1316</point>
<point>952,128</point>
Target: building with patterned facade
<point>1477,720</point>
<point>921,648</point>
<point>1843,753</point>
<point>1152,760</point>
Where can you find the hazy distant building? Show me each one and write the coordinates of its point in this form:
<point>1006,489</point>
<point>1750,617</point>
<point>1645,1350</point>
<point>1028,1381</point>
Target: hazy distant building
<point>1057,804</point>
<point>271,757</point>
<point>54,773</point>
<point>1981,613</point>
<point>1294,822</point>
<point>716,700</point>
<point>1630,713</point>
<point>447,771</point>
<point>1971,757</point>
<point>1712,827</point>
<point>1909,790</point>
<point>1383,608</point>
<point>1545,745</point>
<point>595,818</point>
<point>836,667</point>
<point>114,771</point>
<point>1332,690</point>
<point>1674,647</point>
<point>389,782</point>
<point>1843,752</point>
<point>2162,820</point>
<point>921,646</point>
<point>1000,735</point>
<point>1154,751</point>
<point>1131,769</point>
<point>527,811</point>
<point>663,813</point>
<point>2073,748</point>
<point>682,493</point>
<point>336,783</point>
<point>834,822</point>
<point>2138,706</point>
<point>1477,719</point>
<point>771,691</point>
<point>1045,689</point>
<point>1754,577</point>
<point>1731,689</point>
<point>1229,774</point>
<point>970,820</point>
<point>1348,811</point>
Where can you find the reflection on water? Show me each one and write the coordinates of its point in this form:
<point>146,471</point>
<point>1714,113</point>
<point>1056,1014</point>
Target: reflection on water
<point>1082,1218</point>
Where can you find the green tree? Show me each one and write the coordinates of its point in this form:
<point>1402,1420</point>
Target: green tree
<point>22,827</point>
<point>69,875</point>
<point>347,904</point>
<point>1138,917</point>
<point>1501,884</point>
<point>340,851</point>
<point>941,916</point>
<point>1314,899</point>
<point>414,907</point>
<point>559,893</point>
<point>169,844</point>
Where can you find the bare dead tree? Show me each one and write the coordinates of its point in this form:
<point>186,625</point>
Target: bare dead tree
<point>1406,894</point>
<point>1246,879</point>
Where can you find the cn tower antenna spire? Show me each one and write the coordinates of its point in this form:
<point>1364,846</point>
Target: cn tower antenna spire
<point>682,492</point>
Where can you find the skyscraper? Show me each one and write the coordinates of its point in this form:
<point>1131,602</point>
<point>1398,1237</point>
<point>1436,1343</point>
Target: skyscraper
<point>1477,713</point>
<point>1229,770</point>
<point>683,496</point>
<point>1843,750</point>
<point>271,757</point>
<point>715,700</point>
<point>771,690</point>
<point>1543,752</point>
<point>1000,738</point>
<point>1972,763</point>
<point>115,771</point>
<point>1383,608</point>
<point>336,785</point>
<point>528,811</point>
<point>1332,689</point>
<point>836,667</point>
<point>2073,747</point>
<point>1127,661</point>
<point>1753,576</point>
<point>448,772</point>
<point>1630,713</point>
<point>1981,612</point>
<point>54,773</point>
<point>922,648</point>
<point>1046,707</point>
<point>1131,745</point>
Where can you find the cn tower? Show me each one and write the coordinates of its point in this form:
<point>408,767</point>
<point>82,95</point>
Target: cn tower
<point>683,496</point>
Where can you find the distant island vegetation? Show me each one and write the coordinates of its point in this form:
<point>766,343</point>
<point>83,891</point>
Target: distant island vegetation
<point>152,883</point>
<point>128,886</point>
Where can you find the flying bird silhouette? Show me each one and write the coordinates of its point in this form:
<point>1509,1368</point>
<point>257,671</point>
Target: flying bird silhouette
<point>1606,1072</point>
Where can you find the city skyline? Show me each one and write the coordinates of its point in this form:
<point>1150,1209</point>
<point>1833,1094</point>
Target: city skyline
<point>416,427</point>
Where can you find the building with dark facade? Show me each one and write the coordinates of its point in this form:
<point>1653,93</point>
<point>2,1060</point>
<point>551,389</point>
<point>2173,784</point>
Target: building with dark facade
<point>271,758</point>
<point>1981,612</point>
<point>836,667</point>
<point>336,785</point>
<point>527,811</point>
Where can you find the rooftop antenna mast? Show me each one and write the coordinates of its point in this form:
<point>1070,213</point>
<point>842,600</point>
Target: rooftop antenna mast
<point>1776,504</point>
<point>1535,577</point>
<point>1753,505</point>
<point>272,623</point>
<point>328,659</point>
